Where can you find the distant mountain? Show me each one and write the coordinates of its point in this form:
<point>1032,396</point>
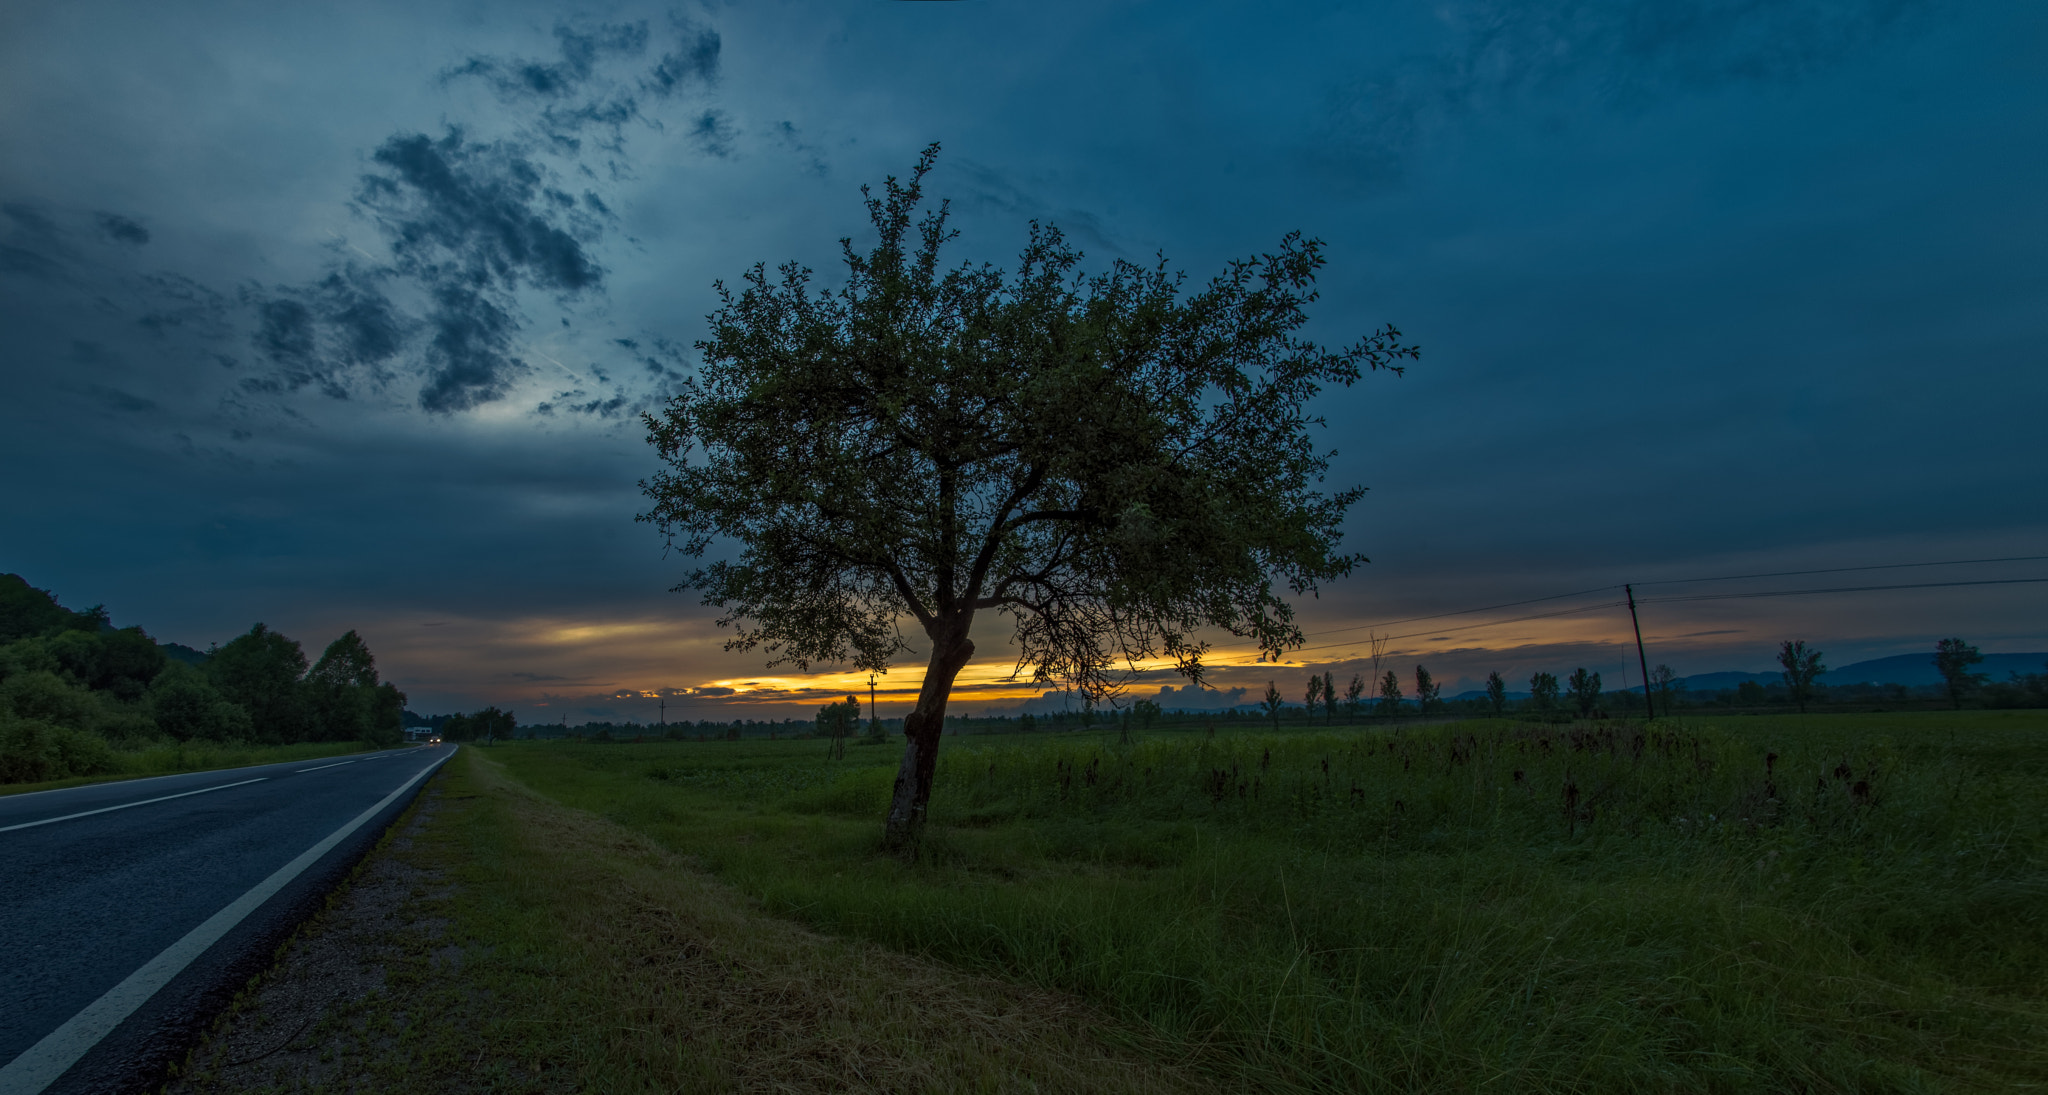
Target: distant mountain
<point>1915,670</point>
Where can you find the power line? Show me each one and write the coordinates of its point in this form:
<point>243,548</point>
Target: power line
<point>1837,589</point>
<point>1845,570</point>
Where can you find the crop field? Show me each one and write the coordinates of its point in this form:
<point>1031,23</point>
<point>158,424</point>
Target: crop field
<point>1826,903</point>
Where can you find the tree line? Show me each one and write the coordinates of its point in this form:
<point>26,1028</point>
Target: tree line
<point>73,688</point>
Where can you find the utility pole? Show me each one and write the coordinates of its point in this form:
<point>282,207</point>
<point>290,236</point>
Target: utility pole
<point>664,713</point>
<point>1649,704</point>
<point>871,698</point>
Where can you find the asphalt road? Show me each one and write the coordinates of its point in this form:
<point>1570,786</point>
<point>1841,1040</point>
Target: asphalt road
<point>131,912</point>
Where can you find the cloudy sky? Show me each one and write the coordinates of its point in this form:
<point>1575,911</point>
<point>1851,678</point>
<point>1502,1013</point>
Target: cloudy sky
<point>343,320</point>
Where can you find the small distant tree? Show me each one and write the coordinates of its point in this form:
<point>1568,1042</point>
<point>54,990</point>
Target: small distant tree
<point>1329,698</point>
<point>1496,693</point>
<point>1315,696</point>
<point>1585,691</point>
<point>1802,665</point>
<point>1543,692</point>
<point>492,725</point>
<point>1953,658</point>
<point>1146,712</point>
<point>836,722</point>
<point>1352,703</point>
<point>1274,704</point>
<point>1662,679</point>
<point>1390,694</point>
<point>1426,690</point>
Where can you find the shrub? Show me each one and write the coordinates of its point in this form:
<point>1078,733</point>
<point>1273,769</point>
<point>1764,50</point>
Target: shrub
<point>32,751</point>
<point>46,697</point>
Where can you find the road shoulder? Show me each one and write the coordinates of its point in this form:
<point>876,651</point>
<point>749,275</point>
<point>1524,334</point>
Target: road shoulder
<point>501,941</point>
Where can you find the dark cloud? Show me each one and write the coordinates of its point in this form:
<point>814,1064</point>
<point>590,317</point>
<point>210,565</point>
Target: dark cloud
<point>180,303</point>
<point>453,207</point>
<point>30,223</point>
<point>713,133</point>
<point>121,229</point>
<point>20,260</point>
<point>575,92</point>
<point>286,332</point>
<point>1628,53</point>
<point>695,61</point>
<point>33,243</point>
<point>116,399</point>
<point>470,351</point>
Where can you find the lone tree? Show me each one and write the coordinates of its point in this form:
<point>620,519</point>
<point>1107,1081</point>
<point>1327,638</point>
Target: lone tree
<point>1109,462</point>
<point>1274,704</point>
<point>1351,694</point>
<point>1662,679</point>
<point>1953,659</point>
<point>1426,690</point>
<point>1543,691</point>
<point>1585,690</point>
<point>1496,693</point>
<point>1801,667</point>
<point>1315,696</point>
<point>1390,695</point>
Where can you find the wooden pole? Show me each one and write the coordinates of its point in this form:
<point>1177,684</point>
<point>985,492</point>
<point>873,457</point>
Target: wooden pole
<point>1649,705</point>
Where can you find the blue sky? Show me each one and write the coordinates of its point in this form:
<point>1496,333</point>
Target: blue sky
<point>1702,288</point>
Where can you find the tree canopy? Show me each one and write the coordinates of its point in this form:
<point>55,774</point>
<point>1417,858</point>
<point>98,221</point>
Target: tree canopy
<point>1111,462</point>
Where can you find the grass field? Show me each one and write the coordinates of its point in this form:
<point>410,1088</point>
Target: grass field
<point>196,756</point>
<point>1847,903</point>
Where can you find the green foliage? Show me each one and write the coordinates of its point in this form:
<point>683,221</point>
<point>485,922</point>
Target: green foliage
<point>1802,666</point>
<point>1427,691</point>
<point>837,722</point>
<point>32,750</point>
<point>1543,693</point>
<point>1826,903</point>
<point>74,673</point>
<point>27,612</point>
<point>1390,695</point>
<point>262,671</point>
<point>1274,704</point>
<point>1108,462</point>
<point>490,725</point>
<point>187,707</point>
<point>1953,659</point>
<point>1585,691</point>
<point>47,697</point>
<point>1662,679</point>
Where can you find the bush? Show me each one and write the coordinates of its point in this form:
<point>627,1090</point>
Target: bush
<point>32,751</point>
<point>44,696</point>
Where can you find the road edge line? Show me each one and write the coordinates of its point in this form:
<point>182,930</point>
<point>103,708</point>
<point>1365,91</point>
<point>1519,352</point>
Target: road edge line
<point>129,805</point>
<point>42,1064</point>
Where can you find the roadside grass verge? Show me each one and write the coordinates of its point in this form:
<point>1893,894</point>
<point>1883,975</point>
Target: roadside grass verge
<point>1835,903</point>
<point>557,951</point>
<point>171,759</point>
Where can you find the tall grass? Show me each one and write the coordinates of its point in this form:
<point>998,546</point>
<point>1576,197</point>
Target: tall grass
<point>1826,904</point>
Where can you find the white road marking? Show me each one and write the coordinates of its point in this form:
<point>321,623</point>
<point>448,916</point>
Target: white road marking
<point>125,805</point>
<point>41,1064</point>
<point>317,767</point>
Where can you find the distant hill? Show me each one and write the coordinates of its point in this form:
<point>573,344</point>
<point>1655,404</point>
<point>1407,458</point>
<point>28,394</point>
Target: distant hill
<point>1914,670</point>
<point>1911,670</point>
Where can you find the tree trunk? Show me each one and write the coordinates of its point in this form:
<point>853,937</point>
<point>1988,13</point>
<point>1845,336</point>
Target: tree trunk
<point>921,730</point>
